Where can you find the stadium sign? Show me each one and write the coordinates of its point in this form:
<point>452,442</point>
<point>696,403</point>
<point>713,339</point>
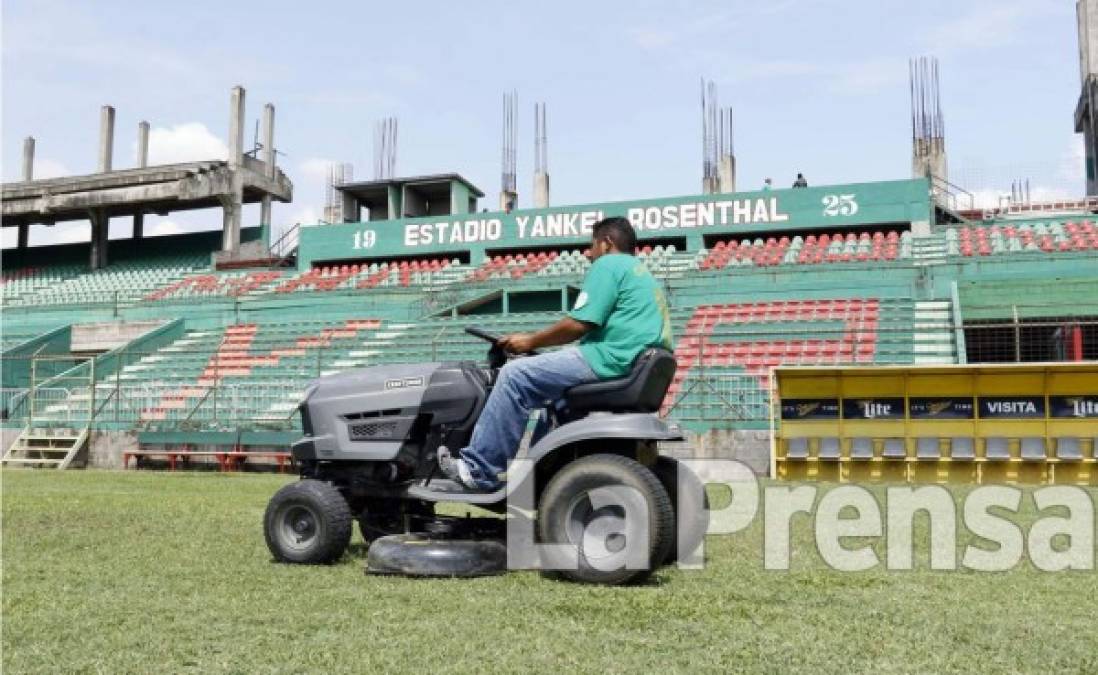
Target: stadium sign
<point>684,218</point>
<point>577,224</point>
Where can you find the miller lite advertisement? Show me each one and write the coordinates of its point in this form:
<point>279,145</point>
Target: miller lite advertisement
<point>960,408</point>
<point>873,408</point>
<point>1077,407</point>
<point>810,409</point>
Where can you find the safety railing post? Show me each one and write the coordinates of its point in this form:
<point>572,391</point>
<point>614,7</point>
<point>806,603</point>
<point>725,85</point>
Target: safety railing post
<point>91,395</point>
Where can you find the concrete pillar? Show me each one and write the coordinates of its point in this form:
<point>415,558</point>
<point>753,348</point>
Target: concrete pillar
<point>929,159</point>
<point>100,233</point>
<point>142,162</point>
<point>231,208</point>
<point>727,174</point>
<point>236,126</point>
<point>142,145</point>
<point>508,201</point>
<point>23,239</point>
<point>541,190</point>
<point>231,203</point>
<point>106,138</point>
<point>268,160</point>
<point>28,158</point>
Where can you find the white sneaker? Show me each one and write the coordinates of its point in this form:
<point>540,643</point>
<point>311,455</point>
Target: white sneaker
<point>455,468</point>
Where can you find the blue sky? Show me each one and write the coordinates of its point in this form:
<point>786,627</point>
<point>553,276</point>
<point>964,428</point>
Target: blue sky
<point>817,86</point>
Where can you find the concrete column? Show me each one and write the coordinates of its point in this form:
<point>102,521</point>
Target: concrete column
<point>541,190</point>
<point>100,234</point>
<point>236,126</point>
<point>230,208</point>
<point>28,158</point>
<point>232,203</point>
<point>23,239</point>
<point>508,201</point>
<point>106,138</point>
<point>142,145</point>
<point>268,159</point>
<point>727,174</point>
<point>142,162</point>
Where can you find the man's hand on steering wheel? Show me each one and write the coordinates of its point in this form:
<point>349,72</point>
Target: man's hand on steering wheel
<point>517,343</point>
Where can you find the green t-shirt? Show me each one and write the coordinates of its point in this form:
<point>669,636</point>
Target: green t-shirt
<point>629,311</point>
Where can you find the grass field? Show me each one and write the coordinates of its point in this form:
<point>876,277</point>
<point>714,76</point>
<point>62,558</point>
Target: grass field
<point>152,572</point>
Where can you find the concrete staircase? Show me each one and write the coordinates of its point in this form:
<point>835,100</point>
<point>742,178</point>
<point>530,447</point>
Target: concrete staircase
<point>52,447</point>
<point>932,336</point>
<point>929,250</point>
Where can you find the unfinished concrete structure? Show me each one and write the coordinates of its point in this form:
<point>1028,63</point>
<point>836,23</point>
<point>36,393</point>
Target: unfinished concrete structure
<point>1086,111</point>
<point>718,151</point>
<point>508,192</point>
<point>226,183</point>
<point>541,157</point>
<point>928,152</point>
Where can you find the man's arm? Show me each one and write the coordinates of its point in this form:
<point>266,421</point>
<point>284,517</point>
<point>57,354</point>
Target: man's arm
<point>562,332</point>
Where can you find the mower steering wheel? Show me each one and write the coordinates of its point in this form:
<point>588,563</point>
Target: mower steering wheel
<point>493,338</point>
<point>497,356</point>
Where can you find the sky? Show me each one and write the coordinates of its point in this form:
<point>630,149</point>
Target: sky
<point>816,86</point>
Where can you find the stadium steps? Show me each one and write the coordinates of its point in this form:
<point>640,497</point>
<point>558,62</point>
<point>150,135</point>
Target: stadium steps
<point>36,447</point>
<point>932,337</point>
<point>930,250</point>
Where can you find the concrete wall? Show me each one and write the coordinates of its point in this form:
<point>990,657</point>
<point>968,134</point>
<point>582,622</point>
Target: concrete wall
<point>105,448</point>
<point>7,437</point>
<point>249,250</point>
<point>104,336</point>
<point>750,447</point>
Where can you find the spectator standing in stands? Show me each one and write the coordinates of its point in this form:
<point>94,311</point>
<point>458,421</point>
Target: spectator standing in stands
<point>800,182</point>
<point>767,184</point>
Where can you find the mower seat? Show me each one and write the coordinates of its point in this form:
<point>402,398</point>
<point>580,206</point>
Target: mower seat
<point>642,390</point>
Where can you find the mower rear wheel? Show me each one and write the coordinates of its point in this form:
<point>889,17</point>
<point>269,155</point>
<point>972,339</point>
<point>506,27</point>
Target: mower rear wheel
<point>307,522</point>
<point>584,506</point>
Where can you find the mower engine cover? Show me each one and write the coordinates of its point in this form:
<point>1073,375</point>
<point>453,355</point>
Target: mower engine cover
<point>370,413</point>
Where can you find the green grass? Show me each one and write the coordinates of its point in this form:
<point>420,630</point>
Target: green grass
<point>152,572</point>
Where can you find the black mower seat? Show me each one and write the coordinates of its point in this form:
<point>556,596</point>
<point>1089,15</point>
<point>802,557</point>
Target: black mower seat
<point>642,390</point>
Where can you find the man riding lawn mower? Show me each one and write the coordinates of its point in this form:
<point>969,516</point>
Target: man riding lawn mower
<point>376,440</point>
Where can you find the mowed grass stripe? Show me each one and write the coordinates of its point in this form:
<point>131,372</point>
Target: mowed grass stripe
<point>144,571</point>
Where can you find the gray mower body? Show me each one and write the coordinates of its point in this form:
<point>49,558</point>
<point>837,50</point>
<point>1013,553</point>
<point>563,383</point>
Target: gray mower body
<point>388,422</point>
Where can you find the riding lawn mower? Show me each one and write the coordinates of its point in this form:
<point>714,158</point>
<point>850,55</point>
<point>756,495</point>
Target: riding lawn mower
<point>369,453</point>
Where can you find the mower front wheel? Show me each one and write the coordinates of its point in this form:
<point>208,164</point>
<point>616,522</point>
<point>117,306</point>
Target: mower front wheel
<point>308,523</point>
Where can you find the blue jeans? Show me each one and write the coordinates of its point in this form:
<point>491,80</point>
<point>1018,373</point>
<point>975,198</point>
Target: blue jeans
<point>523,385</point>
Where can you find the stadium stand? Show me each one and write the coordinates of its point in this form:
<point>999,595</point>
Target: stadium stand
<point>223,378</point>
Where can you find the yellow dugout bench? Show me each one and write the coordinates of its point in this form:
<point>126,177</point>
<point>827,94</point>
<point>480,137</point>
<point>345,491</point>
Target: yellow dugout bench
<point>1032,423</point>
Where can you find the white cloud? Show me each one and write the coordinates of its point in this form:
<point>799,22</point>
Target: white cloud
<point>166,227</point>
<point>315,169</point>
<point>857,78</point>
<point>652,38</point>
<point>187,142</point>
<point>984,25</point>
